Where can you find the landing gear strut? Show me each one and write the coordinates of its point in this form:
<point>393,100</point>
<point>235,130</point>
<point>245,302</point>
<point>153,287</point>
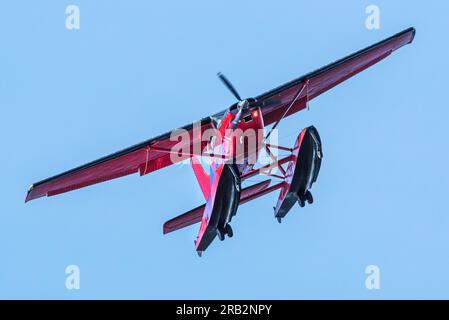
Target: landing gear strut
<point>229,231</point>
<point>222,232</point>
<point>309,197</point>
<point>302,198</point>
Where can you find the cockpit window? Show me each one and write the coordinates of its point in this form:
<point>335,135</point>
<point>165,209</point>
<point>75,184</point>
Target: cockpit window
<point>248,118</point>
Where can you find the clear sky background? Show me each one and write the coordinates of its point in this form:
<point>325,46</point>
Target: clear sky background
<point>136,69</point>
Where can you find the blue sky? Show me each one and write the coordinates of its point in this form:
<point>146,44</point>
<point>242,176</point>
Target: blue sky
<point>136,69</point>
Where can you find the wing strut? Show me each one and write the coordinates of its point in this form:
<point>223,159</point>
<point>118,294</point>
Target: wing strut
<point>305,86</point>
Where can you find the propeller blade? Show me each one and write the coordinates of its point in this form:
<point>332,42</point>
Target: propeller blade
<point>236,119</point>
<point>229,85</point>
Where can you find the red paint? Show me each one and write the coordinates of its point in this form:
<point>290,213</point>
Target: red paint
<point>155,154</point>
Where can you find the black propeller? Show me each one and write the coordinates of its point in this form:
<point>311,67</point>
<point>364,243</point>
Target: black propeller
<point>242,105</point>
<point>229,85</point>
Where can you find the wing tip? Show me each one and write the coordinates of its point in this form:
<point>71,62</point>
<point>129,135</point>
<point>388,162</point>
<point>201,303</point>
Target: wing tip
<point>28,196</point>
<point>413,31</point>
<point>408,35</point>
<point>31,194</point>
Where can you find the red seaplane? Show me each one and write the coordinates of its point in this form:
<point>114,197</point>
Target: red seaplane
<point>230,164</point>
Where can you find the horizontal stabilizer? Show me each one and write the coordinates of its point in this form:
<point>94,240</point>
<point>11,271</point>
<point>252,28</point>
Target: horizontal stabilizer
<point>194,216</point>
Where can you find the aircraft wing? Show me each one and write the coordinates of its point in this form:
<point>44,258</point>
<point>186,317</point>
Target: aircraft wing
<point>276,102</point>
<point>143,158</point>
<point>282,101</point>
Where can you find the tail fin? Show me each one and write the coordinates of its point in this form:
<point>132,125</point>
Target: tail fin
<point>202,177</point>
